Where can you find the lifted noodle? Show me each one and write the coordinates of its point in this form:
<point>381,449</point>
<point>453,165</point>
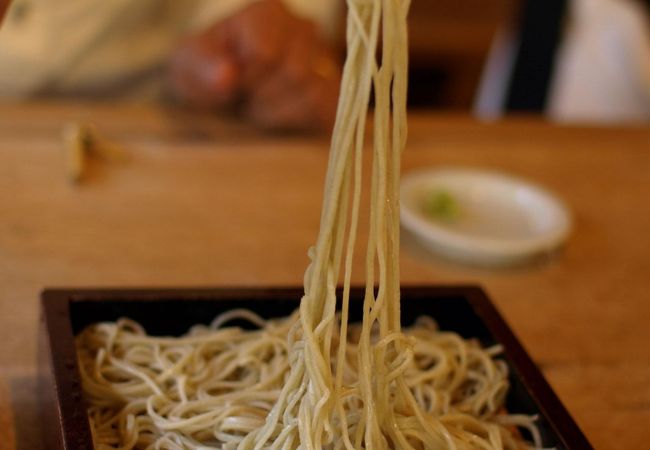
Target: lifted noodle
<point>312,381</point>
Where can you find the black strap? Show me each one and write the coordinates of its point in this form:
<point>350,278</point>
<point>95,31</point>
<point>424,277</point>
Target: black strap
<point>540,32</point>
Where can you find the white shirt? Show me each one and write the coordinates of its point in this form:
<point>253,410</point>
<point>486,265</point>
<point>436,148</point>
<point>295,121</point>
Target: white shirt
<point>107,47</point>
<point>602,69</point>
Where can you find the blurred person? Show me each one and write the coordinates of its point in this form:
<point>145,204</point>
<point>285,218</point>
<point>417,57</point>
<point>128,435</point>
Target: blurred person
<point>603,64</point>
<point>586,61</point>
<point>267,60</point>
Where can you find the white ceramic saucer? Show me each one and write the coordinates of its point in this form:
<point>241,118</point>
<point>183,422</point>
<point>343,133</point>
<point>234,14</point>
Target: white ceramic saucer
<point>482,217</point>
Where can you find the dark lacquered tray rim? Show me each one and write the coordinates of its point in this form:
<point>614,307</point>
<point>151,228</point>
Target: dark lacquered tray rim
<point>60,352</point>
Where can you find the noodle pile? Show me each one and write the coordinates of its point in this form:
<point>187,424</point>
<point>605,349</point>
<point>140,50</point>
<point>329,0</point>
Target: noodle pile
<point>312,381</point>
<point>215,385</point>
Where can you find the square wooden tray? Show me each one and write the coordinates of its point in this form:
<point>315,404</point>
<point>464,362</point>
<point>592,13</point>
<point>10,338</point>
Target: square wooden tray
<point>463,309</point>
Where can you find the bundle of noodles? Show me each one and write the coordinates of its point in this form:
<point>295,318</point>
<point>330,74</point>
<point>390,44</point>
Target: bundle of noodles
<point>311,381</point>
<point>216,385</point>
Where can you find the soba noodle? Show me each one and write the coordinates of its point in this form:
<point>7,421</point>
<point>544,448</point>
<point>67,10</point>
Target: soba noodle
<point>312,381</point>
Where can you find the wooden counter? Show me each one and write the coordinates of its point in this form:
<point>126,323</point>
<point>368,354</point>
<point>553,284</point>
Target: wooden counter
<point>203,202</point>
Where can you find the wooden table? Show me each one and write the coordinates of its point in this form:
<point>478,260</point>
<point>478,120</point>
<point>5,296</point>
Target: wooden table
<point>206,202</point>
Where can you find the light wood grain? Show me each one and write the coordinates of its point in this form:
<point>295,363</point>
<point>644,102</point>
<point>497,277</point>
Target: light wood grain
<point>207,202</point>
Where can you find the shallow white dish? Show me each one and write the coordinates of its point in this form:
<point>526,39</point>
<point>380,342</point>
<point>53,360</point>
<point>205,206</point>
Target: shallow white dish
<point>493,218</point>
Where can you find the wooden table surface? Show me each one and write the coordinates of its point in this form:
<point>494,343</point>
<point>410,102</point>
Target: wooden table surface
<point>203,202</point>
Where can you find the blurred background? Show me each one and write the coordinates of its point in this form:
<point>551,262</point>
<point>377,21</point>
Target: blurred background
<point>450,43</point>
<point>571,60</point>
